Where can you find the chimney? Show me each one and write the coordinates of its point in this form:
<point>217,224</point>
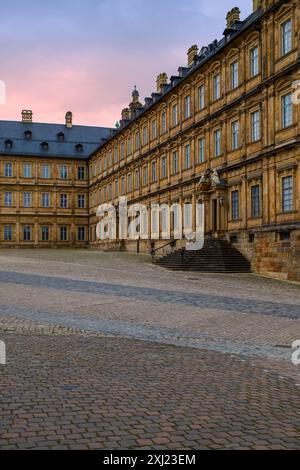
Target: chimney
<point>69,120</point>
<point>162,79</point>
<point>233,16</point>
<point>26,115</point>
<point>192,52</point>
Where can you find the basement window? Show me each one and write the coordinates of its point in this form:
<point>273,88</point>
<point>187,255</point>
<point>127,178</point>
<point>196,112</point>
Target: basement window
<point>285,236</point>
<point>233,239</point>
<point>251,238</point>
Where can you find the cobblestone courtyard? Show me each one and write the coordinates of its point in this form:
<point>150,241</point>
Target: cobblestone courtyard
<point>106,351</point>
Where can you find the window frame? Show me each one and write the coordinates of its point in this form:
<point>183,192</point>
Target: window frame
<point>235,205</point>
<point>290,194</point>
<point>285,51</point>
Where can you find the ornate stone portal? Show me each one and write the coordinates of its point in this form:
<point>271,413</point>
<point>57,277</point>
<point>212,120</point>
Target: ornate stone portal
<point>211,190</point>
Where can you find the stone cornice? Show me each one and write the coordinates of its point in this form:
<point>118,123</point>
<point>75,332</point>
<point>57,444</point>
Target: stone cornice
<point>206,119</point>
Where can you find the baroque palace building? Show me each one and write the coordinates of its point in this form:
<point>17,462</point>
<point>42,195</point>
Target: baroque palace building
<point>225,131</point>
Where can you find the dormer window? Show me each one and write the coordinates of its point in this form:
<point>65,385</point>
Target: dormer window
<point>8,144</point>
<point>45,145</point>
<point>61,136</point>
<point>28,135</point>
<point>79,148</point>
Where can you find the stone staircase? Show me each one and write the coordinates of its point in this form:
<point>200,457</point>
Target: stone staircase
<point>216,256</point>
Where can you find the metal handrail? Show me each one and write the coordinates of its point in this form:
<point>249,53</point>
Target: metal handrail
<point>172,243</point>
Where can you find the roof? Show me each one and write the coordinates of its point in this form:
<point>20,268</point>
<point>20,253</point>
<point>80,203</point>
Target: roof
<point>205,55</point>
<point>90,138</point>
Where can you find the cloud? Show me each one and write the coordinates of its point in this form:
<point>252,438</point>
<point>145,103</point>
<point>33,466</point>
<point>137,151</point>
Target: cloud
<point>87,56</point>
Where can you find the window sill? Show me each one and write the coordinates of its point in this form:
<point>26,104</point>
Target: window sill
<point>288,212</point>
<point>285,56</point>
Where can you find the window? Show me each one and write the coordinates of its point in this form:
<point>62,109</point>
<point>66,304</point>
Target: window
<point>137,179</point>
<point>154,129</point>
<point>63,234</point>
<point>129,183</point>
<point>27,233</point>
<point>8,199</point>
<point>235,210</point>
<point>109,159</point>
<point>255,126</point>
<point>116,154</point>
<point>217,142</point>
<point>45,145</point>
<point>81,201</point>
<point>287,110</point>
<point>8,144</point>
<point>164,172</point>
<point>145,175</point>
<point>187,157</point>
<point>27,170</point>
<point>137,141</point>
<point>234,72</point>
<point>287,194</point>
<point>164,122</point>
<point>164,219</point>
<point>116,188</point>
<point>63,172</point>
<point>27,199</point>
<point>217,86</point>
<point>110,192</point>
<point>63,201</point>
<point>122,151</point>
<point>81,173</point>
<point>123,186</point>
<point>286,37</point>
<point>285,236</point>
<point>145,135</point>
<point>153,172</point>
<point>8,233</point>
<point>8,170</point>
<point>129,146</point>
<point>104,163</point>
<point>28,135</point>
<point>81,234</point>
<point>254,57</point>
<point>187,216</point>
<point>45,200</point>
<point>45,234</point>
<point>255,201</point>
<point>201,148</point>
<point>175,115</point>
<point>45,171</point>
<point>201,97</point>
<point>175,164</point>
<point>187,107</point>
<point>235,135</point>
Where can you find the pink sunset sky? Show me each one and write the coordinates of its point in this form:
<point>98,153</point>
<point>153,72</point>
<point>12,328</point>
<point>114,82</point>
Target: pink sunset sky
<point>86,56</point>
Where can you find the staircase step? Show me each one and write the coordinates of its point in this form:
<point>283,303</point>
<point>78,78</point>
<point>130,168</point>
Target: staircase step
<point>217,255</point>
